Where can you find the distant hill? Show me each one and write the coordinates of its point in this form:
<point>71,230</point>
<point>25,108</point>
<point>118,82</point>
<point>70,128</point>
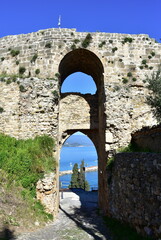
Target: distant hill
<point>78,141</point>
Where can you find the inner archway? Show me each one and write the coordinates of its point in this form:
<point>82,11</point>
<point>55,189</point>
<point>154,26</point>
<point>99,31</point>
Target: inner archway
<point>81,60</point>
<point>77,148</point>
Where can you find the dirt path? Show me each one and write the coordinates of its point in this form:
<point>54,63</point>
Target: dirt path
<point>77,220</point>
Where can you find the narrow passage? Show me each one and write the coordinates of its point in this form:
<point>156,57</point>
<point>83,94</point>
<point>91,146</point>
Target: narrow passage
<point>78,219</point>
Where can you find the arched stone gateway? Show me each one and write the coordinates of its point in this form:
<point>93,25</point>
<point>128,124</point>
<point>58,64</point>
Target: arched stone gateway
<point>82,60</point>
<point>118,63</point>
<point>85,112</point>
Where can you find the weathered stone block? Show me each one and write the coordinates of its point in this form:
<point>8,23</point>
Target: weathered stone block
<point>109,137</point>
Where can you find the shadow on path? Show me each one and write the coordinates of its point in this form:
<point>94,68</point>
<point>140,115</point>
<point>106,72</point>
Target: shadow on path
<point>82,209</point>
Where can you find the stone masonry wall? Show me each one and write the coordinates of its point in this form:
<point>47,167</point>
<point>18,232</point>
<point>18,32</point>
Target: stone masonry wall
<point>30,85</point>
<point>78,111</point>
<point>134,185</point>
<point>149,139</point>
<point>30,108</point>
<point>47,193</point>
<point>126,59</point>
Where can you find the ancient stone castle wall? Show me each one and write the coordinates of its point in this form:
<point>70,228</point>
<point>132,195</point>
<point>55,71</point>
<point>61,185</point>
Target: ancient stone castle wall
<point>34,66</point>
<point>126,60</point>
<point>148,138</point>
<point>30,108</point>
<point>134,185</point>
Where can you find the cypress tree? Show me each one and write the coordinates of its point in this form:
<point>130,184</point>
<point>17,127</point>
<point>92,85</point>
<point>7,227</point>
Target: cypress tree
<point>78,178</point>
<point>74,183</point>
<point>82,175</point>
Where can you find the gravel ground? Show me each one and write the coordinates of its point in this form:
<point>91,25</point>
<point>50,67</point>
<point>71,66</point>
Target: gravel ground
<point>77,220</point>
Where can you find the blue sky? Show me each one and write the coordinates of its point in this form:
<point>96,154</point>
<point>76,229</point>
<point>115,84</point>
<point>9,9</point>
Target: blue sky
<point>80,82</point>
<point>120,16</point>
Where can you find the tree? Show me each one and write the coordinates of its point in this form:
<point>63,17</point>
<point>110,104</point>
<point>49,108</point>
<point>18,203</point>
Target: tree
<point>154,99</point>
<point>78,178</point>
<point>82,175</point>
<point>74,183</point>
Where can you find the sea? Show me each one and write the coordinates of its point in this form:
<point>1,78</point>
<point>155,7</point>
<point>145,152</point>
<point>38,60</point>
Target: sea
<point>71,155</point>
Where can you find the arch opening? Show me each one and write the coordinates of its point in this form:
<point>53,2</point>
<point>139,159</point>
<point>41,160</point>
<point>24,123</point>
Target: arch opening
<point>76,148</point>
<point>79,82</point>
<point>81,60</point>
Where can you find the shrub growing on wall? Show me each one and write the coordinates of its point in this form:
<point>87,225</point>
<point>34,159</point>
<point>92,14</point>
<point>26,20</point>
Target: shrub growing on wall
<point>154,99</point>
<point>22,70</point>
<point>87,41</point>
<point>1,109</point>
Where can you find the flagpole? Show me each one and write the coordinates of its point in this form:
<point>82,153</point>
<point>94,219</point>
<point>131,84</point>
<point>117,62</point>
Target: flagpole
<point>59,21</point>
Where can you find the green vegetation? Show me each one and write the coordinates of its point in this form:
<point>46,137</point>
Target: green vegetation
<point>114,49</point>
<point>144,61</point>
<point>17,62</point>
<point>8,81</point>
<point>152,53</point>
<point>73,47</point>
<point>37,71</point>
<point>56,94</point>
<point>132,147</point>
<point>57,75</point>
<point>102,44</point>
<point>22,164</point>
<point>48,45</point>
<point>134,79</point>
<point>78,177</point>
<point>127,40</point>
<point>1,110</point>
<point>2,59</point>
<point>4,77</point>
<point>110,41</point>
<point>125,80</point>
<point>75,177</point>
<point>22,70</point>
<point>129,74</point>
<point>122,231</point>
<point>22,88</point>
<point>87,41</point>
<point>33,59</point>
<point>76,41</point>
<point>110,163</point>
<point>26,160</point>
<point>14,52</point>
<point>154,99</point>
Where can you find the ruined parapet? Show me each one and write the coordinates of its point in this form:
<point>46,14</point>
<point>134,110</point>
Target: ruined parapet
<point>148,138</point>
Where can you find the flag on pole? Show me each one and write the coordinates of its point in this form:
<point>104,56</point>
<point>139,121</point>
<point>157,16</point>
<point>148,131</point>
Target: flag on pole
<point>59,21</point>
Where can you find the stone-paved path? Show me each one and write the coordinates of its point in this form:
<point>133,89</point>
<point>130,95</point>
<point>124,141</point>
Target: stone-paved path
<point>77,220</point>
